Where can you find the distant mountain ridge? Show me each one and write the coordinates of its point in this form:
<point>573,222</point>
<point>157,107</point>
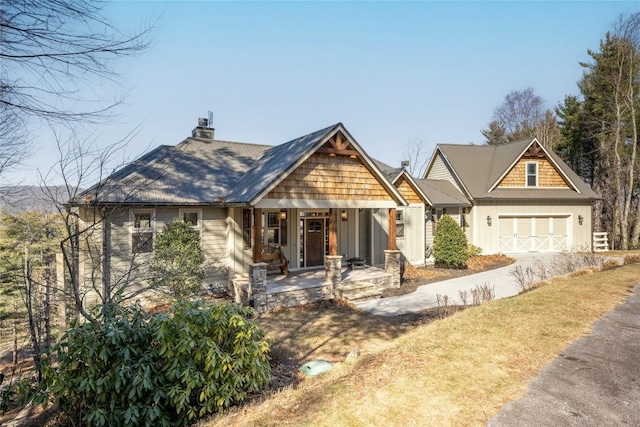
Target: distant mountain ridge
<point>21,198</point>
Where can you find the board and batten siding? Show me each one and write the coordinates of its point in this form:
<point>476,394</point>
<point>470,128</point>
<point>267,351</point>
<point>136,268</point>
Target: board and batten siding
<point>486,237</point>
<point>347,235</point>
<point>364,241</point>
<point>440,170</point>
<point>412,244</point>
<point>380,235</point>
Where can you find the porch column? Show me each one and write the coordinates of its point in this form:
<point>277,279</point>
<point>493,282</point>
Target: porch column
<point>333,232</point>
<point>257,235</point>
<point>392,266</point>
<point>258,286</point>
<point>392,229</point>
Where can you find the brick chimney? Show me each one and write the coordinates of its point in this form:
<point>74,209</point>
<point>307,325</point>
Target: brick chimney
<point>203,130</point>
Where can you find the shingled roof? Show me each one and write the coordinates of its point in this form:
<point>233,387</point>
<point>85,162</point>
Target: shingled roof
<point>273,164</point>
<point>201,171</point>
<point>195,172</point>
<point>480,167</point>
<point>442,193</point>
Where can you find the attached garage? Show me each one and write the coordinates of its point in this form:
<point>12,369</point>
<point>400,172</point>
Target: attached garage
<point>540,233</point>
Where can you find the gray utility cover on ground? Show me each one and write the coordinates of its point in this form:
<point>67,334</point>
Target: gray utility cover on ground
<point>593,382</point>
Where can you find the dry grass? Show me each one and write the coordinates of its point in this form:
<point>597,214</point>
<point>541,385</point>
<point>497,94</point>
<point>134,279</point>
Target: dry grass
<point>632,258</point>
<point>457,371</point>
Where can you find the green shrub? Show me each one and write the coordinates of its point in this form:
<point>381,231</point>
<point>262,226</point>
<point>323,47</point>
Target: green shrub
<point>107,373</point>
<point>450,244</point>
<point>473,250</point>
<point>214,356</point>
<point>131,369</point>
<point>178,260</point>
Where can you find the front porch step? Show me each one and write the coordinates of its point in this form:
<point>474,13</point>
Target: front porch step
<point>358,291</point>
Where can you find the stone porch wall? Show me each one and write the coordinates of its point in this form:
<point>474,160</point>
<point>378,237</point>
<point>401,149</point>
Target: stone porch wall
<point>254,292</point>
<point>292,298</point>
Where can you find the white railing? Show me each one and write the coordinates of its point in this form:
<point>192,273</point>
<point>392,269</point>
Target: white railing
<point>600,242</point>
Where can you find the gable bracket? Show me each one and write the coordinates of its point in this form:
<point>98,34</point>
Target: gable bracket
<point>327,150</point>
<point>534,151</point>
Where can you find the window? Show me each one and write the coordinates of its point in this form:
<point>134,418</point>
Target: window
<point>532,174</point>
<point>399,223</point>
<point>142,231</point>
<point>276,229</point>
<point>246,228</point>
<point>193,218</point>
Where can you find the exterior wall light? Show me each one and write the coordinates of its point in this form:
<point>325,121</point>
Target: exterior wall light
<point>283,215</point>
<point>343,215</point>
<point>580,219</point>
<point>489,220</point>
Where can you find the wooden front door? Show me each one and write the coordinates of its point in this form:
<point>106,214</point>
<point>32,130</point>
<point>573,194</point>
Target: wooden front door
<point>314,242</point>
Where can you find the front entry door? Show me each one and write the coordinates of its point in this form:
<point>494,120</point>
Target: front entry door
<point>314,242</point>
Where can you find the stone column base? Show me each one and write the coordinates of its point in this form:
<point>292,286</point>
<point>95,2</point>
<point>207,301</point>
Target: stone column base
<point>333,271</point>
<point>392,266</point>
<point>258,286</point>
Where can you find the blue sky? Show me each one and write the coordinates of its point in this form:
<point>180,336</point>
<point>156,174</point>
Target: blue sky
<point>390,71</point>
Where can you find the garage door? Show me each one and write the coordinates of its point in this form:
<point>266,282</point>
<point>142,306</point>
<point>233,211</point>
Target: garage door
<point>533,233</point>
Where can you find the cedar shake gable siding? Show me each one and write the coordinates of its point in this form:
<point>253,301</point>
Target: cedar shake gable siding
<point>407,191</point>
<point>548,175</point>
<point>325,177</point>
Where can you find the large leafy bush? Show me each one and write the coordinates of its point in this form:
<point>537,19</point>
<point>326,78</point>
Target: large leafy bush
<point>130,369</point>
<point>213,356</point>
<point>450,244</point>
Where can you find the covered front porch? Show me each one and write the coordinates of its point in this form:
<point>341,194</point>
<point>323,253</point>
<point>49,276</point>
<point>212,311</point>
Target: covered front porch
<point>306,286</point>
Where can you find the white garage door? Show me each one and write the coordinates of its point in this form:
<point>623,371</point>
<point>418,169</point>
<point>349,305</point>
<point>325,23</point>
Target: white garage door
<point>533,233</point>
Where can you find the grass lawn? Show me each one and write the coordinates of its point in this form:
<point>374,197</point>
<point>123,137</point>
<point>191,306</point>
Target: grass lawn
<point>452,372</point>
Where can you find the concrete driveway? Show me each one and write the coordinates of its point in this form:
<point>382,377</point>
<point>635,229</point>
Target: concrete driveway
<point>425,296</point>
<point>593,382</point>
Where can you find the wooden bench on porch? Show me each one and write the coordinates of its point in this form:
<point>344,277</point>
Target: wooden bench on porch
<point>273,256</point>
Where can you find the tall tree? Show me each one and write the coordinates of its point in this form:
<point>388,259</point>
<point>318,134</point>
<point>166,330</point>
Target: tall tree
<point>574,147</point>
<point>611,90</point>
<point>50,53</point>
<point>28,243</point>
<point>522,115</point>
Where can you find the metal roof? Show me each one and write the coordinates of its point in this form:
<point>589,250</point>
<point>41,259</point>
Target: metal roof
<point>442,193</point>
<point>479,167</point>
<point>196,171</point>
<point>208,172</point>
<point>269,169</point>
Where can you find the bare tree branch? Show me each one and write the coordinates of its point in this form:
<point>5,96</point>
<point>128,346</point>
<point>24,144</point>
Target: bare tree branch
<point>51,52</point>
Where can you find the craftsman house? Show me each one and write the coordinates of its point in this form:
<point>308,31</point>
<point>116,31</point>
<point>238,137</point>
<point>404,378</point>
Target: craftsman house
<point>315,201</point>
<point>318,204</point>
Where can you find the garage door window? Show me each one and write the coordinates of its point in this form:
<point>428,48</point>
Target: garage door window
<point>532,174</point>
